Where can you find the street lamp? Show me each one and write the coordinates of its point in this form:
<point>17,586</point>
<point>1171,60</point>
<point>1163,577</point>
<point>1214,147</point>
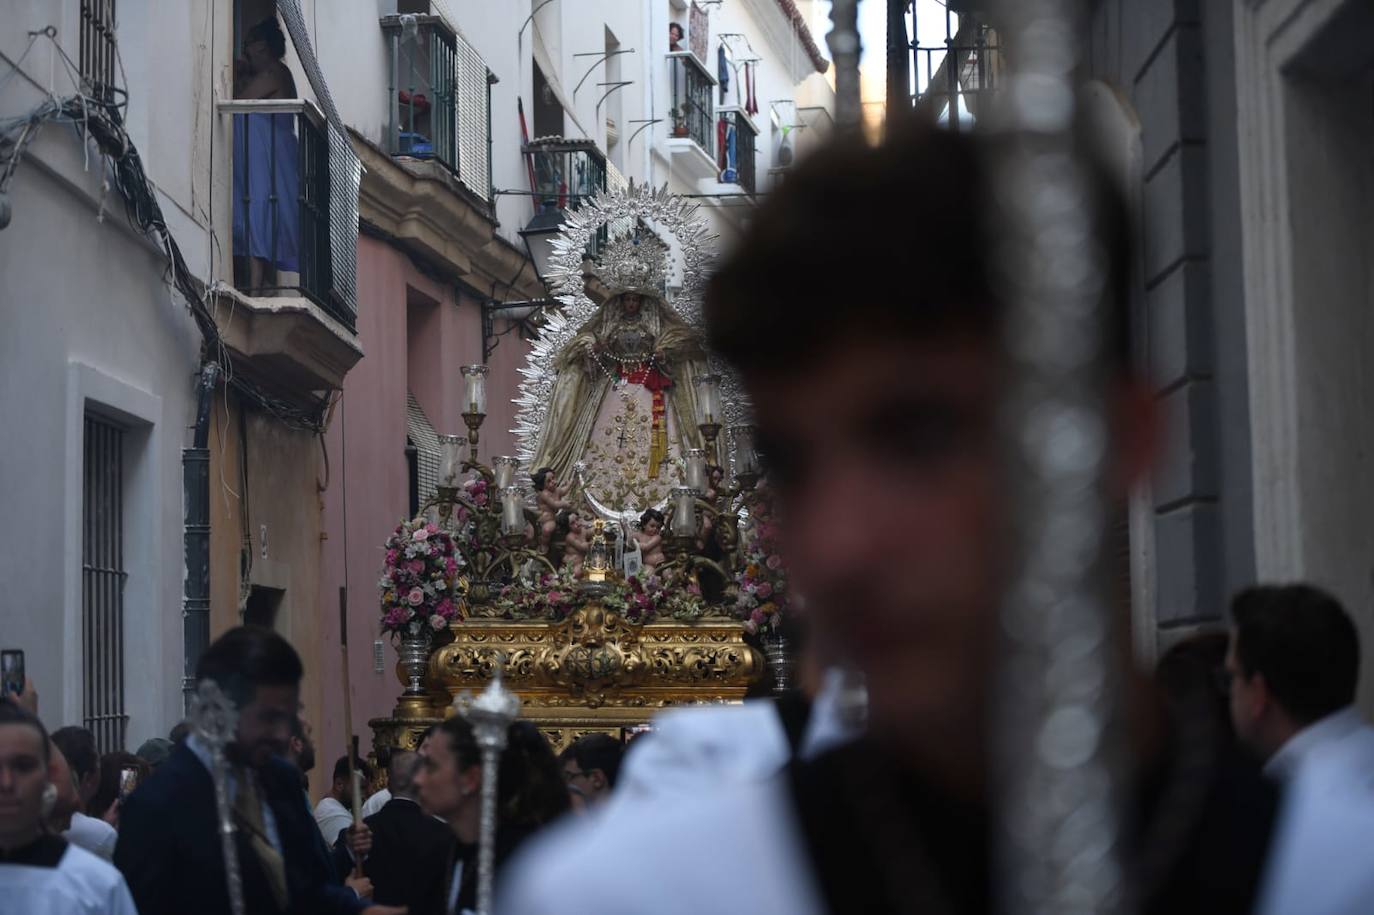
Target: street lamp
<point>538,237</point>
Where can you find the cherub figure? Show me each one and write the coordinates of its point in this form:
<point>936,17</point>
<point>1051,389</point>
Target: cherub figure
<point>714,484</point>
<point>550,499</point>
<point>575,542</point>
<point>650,539</point>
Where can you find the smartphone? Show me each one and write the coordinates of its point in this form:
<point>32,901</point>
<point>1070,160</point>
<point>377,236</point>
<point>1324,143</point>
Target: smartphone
<point>12,671</point>
<point>128,781</point>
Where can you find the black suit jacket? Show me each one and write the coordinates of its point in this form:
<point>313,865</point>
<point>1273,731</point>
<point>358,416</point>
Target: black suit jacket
<point>169,846</point>
<point>409,852</point>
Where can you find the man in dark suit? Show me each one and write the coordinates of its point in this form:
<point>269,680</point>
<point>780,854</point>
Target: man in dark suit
<point>169,845</point>
<point>409,849</point>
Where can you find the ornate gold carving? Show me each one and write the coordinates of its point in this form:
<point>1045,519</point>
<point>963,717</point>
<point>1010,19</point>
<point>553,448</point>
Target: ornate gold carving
<point>591,672</point>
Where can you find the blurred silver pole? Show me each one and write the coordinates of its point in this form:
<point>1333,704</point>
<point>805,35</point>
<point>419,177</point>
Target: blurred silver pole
<point>490,715</point>
<point>1057,725</point>
<point>214,720</point>
<point>843,41</point>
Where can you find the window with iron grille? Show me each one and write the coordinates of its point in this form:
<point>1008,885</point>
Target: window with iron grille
<point>97,50</point>
<point>102,583</point>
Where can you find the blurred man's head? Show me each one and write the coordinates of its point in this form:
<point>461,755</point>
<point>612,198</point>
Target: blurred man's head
<point>1294,658</point>
<point>66,800</point>
<point>862,313</point>
<point>78,746</point>
<point>341,789</point>
<point>300,749</point>
<point>590,765</point>
<point>260,673</point>
<point>25,771</point>
<point>400,773</point>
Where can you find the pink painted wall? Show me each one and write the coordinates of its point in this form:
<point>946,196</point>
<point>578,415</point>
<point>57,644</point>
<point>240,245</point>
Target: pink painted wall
<point>415,332</point>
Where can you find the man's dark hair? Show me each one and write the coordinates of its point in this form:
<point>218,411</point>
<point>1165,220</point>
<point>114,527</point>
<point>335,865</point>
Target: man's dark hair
<point>400,772</point>
<point>461,741</point>
<point>78,745</point>
<point>1303,642</point>
<point>13,713</point>
<point>179,731</point>
<point>597,751</point>
<point>1188,676</point>
<point>247,657</point>
<point>269,31</point>
<point>892,240</point>
<point>341,769</point>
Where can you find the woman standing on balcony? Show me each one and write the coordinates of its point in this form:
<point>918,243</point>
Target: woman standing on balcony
<point>266,167</point>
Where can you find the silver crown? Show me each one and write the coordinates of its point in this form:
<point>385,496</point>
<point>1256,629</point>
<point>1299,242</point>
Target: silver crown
<point>634,263</point>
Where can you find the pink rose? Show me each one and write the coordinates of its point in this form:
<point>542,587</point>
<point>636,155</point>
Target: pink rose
<point>391,556</point>
<point>421,535</point>
<point>764,590</point>
<point>430,529</point>
<point>757,617</point>
<point>751,627</point>
<point>417,565</point>
<point>451,565</point>
<point>437,622</point>
<point>774,562</point>
<point>415,597</point>
<point>445,608</point>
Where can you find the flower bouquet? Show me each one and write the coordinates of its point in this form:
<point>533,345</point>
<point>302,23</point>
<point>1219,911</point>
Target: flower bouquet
<point>762,577</point>
<point>419,581</point>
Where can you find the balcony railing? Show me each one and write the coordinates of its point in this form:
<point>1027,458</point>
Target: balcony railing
<point>439,98</point>
<point>692,87</point>
<point>281,242</point>
<point>738,147</point>
<point>421,92</point>
<point>567,172</point>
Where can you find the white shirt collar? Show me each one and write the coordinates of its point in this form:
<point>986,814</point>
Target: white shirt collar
<point>1284,764</point>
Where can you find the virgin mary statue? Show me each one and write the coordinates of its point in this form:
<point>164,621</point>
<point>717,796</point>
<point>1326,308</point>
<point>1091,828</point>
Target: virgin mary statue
<point>624,398</point>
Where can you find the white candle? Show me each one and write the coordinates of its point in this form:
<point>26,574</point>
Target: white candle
<point>684,512</point>
<point>475,394</point>
<point>696,469</point>
<point>504,468</point>
<point>708,398</point>
<point>746,458</point>
<point>512,511</point>
<point>451,458</point>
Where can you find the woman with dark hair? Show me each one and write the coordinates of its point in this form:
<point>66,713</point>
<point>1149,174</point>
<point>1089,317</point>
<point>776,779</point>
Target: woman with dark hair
<point>110,790</point>
<point>266,170</point>
<point>530,794</point>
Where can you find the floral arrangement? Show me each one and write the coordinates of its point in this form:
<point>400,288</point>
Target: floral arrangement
<point>639,598</point>
<point>761,580</point>
<point>418,583</point>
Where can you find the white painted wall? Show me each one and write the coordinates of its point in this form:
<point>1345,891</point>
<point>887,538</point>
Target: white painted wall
<point>89,324</point>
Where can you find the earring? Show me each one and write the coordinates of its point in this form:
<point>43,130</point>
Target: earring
<point>49,799</point>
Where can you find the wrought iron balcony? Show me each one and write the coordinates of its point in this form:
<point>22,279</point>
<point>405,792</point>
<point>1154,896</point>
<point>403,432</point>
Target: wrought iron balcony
<point>566,173</point>
<point>281,239</point>
<point>737,154</point>
<point>692,87</point>
<point>422,89</point>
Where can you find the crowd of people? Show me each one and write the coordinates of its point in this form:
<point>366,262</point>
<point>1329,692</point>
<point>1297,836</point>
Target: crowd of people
<point>1250,773</point>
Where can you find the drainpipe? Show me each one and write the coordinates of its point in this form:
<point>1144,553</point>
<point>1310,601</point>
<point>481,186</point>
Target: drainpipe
<point>195,481</point>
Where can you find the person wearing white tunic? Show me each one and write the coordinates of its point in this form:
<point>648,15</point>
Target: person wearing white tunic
<point>41,873</point>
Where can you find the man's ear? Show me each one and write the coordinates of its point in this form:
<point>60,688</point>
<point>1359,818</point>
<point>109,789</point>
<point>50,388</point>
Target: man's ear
<point>471,780</point>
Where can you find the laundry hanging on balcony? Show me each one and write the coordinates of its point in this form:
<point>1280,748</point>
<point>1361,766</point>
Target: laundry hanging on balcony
<point>722,71</point>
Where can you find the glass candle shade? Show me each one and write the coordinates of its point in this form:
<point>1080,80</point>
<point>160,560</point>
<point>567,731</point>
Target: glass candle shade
<point>504,469</point>
<point>475,389</point>
<point>696,469</point>
<point>512,511</point>
<point>451,449</point>
<point>708,399</point>
<point>598,551</point>
<point>746,458</point>
<point>684,512</point>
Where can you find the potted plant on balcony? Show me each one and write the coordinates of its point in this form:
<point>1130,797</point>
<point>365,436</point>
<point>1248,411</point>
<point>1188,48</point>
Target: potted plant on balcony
<point>679,121</point>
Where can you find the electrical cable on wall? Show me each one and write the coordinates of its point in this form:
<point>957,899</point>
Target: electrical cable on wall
<point>101,120</point>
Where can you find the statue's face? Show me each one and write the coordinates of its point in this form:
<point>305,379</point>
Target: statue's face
<point>575,523</point>
<point>653,527</point>
<point>631,303</point>
<point>549,482</point>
